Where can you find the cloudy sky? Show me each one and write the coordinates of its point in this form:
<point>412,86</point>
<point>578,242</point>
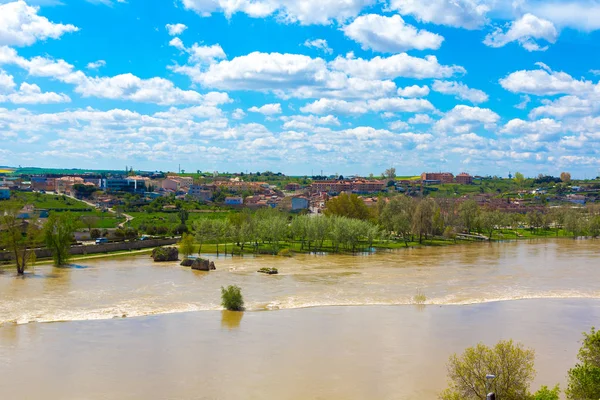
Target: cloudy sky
<point>343,86</point>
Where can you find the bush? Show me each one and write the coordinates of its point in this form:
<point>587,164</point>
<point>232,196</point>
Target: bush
<point>286,253</point>
<point>95,233</point>
<point>268,271</point>
<point>419,298</point>
<point>231,298</point>
<point>160,254</point>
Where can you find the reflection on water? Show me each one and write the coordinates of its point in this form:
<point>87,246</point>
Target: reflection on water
<point>134,286</point>
<point>231,319</point>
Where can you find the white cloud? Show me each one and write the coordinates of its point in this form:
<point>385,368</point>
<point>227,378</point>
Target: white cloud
<point>525,100</point>
<point>413,91</point>
<point>7,83</point>
<point>308,122</point>
<point>460,91</point>
<point>396,66</point>
<point>464,119</point>
<point>287,75</point>
<point>424,119</point>
<point>238,113</point>
<point>577,14</point>
<point>31,94</point>
<point>175,29</point>
<point>319,44</point>
<point>334,106</point>
<point>20,25</point>
<point>399,126</point>
<point>267,109</point>
<point>96,64</point>
<point>200,54</point>
<point>390,34</point>
<point>565,106</point>
<point>305,12</point>
<point>120,87</point>
<point>524,31</point>
<point>545,126</point>
<point>544,83</point>
<point>469,14</point>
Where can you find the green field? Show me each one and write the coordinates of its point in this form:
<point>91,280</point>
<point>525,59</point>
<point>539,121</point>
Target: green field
<point>170,219</point>
<point>50,202</point>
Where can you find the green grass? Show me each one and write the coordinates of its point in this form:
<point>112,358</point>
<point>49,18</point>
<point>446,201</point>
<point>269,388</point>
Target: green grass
<point>50,201</point>
<point>169,219</point>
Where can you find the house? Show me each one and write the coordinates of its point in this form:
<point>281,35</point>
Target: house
<point>130,185</point>
<point>65,184</point>
<point>464,179</point>
<point>443,177</point>
<point>4,193</point>
<point>201,192</point>
<point>300,203</point>
<point>234,201</point>
<point>292,187</point>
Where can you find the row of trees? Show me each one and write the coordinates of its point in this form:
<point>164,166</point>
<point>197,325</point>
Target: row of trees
<point>21,237</point>
<point>512,366</point>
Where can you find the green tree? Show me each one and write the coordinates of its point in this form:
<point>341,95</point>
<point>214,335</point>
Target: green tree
<point>347,205</point>
<point>547,394</point>
<point>58,236</point>
<point>186,245</point>
<point>204,231</point>
<point>20,237</point>
<point>183,216</point>
<point>490,221</point>
<point>468,212</point>
<point>511,363</point>
<point>584,378</point>
<point>422,223</point>
<point>519,179</point>
<point>396,216</point>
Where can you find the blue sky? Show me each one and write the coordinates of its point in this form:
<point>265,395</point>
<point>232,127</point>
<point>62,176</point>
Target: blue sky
<point>343,86</point>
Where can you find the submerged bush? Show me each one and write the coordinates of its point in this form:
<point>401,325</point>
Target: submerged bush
<point>419,298</point>
<point>268,271</point>
<point>231,298</point>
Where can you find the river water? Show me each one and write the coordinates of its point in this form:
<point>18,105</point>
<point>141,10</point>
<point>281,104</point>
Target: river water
<point>295,341</point>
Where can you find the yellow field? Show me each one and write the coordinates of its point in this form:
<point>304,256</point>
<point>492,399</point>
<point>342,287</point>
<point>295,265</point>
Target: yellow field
<point>6,171</point>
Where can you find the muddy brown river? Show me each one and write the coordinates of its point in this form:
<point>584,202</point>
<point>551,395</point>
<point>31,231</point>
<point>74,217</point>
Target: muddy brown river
<point>326,327</point>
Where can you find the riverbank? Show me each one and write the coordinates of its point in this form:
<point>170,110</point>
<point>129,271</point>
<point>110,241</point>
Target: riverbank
<point>350,353</point>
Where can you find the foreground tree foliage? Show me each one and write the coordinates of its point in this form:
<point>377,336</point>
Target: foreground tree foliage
<point>18,236</point>
<point>58,236</point>
<point>347,205</point>
<point>584,378</point>
<point>511,363</point>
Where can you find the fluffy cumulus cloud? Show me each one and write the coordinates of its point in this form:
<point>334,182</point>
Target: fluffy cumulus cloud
<point>305,12</point>
<point>395,104</point>
<point>544,82</point>
<point>390,34</point>
<point>96,64</point>
<point>465,119</point>
<point>319,44</point>
<point>525,31</point>
<point>413,91</point>
<point>461,91</point>
<point>20,25</point>
<point>175,29</point>
<point>267,109</point>
<point>468,14</point>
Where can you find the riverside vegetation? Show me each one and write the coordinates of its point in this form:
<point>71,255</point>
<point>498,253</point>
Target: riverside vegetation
<point>512,366</point>
<point>350,226</point>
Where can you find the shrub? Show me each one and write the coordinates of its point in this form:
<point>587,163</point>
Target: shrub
<point>165,254</point>
<point>268,271</point>
<point>286,253</point>
<point>95,233</point>
<point>419,298</point>
<point>231,298</point>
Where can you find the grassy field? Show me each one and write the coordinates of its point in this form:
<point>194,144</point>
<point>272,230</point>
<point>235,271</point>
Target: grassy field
<point>80,209</point>
<point>169,219</point>
<point>50,201</point>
